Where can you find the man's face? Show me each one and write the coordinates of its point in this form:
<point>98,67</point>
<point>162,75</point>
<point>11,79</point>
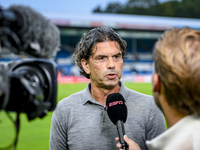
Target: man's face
<point>105,64</point>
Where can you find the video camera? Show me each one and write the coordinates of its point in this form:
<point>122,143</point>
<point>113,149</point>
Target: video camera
<point>28,85</point>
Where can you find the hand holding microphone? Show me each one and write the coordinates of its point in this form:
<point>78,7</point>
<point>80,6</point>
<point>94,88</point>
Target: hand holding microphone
<point>117,112</point>
<point>131,144</point>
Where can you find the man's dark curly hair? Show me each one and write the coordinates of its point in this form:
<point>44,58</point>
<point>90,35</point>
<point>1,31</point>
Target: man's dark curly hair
<point>89,39</point>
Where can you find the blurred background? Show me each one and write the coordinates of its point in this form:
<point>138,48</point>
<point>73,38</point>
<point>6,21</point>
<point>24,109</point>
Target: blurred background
<point>139,22</point>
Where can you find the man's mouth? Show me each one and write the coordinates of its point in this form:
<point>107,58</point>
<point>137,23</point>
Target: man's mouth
<point>111,75</point>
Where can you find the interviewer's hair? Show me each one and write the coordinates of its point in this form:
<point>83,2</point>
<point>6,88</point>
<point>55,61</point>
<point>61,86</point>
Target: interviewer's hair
<point>89,39</point>
<point>177,62</point>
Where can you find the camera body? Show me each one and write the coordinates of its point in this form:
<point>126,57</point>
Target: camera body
<point>29,86</point>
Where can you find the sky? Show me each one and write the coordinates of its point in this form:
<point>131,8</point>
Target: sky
<point>62,6</point>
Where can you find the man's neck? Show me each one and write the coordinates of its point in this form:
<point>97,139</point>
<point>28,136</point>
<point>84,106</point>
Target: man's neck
<point>100,94</point>
<point>172,116</point>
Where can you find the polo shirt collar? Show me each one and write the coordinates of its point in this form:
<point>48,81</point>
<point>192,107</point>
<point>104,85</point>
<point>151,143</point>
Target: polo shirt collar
<point>123,90</point>
<point>87,97</point>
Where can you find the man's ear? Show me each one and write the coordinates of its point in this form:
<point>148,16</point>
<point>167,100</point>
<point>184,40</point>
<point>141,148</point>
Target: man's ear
<point>85,66</point>
<point>156,83</point>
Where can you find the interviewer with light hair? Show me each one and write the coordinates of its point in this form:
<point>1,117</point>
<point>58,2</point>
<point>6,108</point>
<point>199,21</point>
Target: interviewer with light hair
<point>176,90</point>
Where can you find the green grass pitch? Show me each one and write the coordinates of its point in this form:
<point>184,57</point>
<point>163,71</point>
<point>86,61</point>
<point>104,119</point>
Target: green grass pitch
<point>34,135</point>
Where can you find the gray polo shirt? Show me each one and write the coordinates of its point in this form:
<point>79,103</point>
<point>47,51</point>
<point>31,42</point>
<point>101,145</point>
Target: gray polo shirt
<point>81,123</point>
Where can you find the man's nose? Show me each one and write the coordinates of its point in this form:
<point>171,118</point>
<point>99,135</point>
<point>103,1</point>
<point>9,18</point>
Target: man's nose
<point>110,63</point>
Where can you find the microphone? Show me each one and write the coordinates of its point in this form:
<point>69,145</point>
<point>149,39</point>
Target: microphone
<point>25,31</point>
<point>117,112</point>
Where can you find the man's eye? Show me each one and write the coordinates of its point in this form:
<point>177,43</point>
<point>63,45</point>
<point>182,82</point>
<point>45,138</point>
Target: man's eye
<point>102,58</point>
<point>118,56</point>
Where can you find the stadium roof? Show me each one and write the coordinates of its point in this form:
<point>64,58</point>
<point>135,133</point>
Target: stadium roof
<point>121,21</point>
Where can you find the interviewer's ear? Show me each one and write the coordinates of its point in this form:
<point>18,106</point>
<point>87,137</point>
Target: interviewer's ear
<point>85,66</point>
<point>156,82</point>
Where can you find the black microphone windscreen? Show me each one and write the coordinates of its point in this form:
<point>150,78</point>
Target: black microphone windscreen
<point>116,107</point>
<point>36,31</point>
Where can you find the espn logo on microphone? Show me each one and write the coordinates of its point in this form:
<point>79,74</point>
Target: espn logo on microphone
<point>115,103</point>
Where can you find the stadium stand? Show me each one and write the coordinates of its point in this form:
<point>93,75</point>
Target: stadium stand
<point>140,33</point>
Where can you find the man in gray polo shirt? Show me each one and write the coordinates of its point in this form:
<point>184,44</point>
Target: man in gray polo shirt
<point>80,121</point>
